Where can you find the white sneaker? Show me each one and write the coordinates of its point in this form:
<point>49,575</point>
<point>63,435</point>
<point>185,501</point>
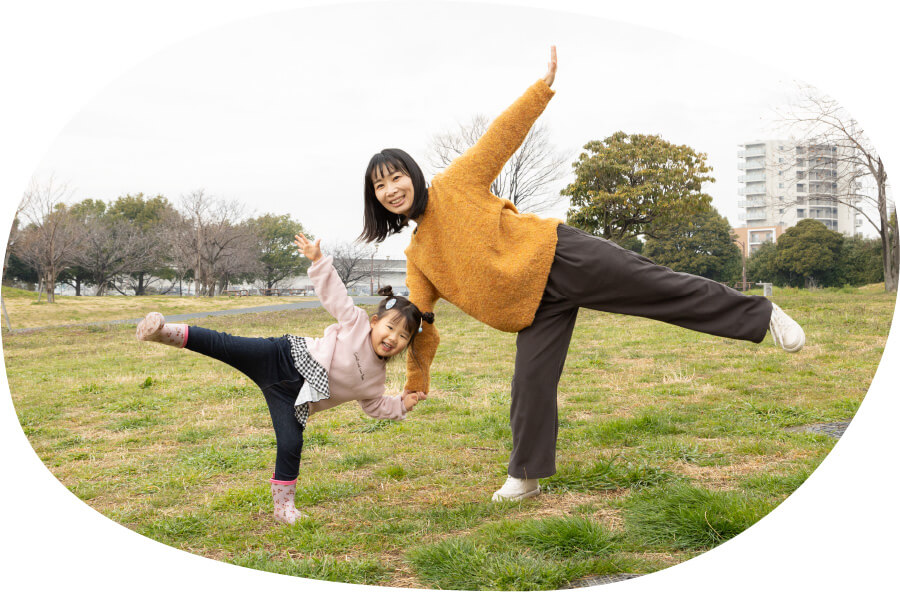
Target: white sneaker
<point>786,331</point>
<point>516,489</point>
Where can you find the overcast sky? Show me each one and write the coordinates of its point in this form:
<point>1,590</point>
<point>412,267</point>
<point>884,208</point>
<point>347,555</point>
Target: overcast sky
<point>282,112</point>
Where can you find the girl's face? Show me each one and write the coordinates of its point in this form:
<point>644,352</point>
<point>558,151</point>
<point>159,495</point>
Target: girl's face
<point>389,335</point>
<point>394,190</point>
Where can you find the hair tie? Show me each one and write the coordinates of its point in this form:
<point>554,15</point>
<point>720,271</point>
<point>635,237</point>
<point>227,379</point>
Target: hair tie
<point>420,329</point>
<point>390,304</point>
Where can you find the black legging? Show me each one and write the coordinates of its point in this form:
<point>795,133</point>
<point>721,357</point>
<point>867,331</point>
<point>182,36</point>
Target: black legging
<point>266,361</point>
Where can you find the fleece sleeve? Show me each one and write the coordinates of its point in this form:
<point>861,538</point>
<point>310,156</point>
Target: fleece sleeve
<point>332,292</point>
<point>481,163</point>
<point>419,356</point>
<point>384,407</point>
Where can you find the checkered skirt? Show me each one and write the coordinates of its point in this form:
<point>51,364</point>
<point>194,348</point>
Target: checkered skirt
<point>311,371</point>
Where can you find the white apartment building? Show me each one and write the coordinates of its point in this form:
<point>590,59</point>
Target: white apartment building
<point>783,182</point>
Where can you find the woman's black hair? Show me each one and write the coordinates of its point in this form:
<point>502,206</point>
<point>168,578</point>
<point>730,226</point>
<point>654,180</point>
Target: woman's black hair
<point>405,310</point>
<point>378,222</point>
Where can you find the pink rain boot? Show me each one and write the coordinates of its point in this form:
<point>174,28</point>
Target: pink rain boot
<point>283,499</point>
<point>153,327</point>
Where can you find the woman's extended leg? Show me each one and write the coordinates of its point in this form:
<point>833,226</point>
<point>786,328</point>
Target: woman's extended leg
<point>595,273</point>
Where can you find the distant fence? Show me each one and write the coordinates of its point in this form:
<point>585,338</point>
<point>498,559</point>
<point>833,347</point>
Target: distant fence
<point>268,292</point>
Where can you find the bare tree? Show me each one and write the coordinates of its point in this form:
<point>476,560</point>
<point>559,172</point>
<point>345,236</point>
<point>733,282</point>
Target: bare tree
<point>528,176</point>
<point>352,261</point>
<point>839,155</point>
<point>235,255</point>
<point>53,235</point>
<point>178,232</point>
<point>148,215</point>
<point>112,249</point>
<point>211,239</point>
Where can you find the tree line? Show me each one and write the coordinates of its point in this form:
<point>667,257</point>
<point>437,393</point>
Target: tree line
<point>141,244</point>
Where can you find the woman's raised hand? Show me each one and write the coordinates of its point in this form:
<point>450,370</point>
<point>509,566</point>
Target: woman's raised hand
<point>551,67</point>
<point>307,248</point>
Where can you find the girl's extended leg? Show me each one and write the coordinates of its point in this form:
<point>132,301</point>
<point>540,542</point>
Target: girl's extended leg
<point>268,362</point>
<point>263,359</point>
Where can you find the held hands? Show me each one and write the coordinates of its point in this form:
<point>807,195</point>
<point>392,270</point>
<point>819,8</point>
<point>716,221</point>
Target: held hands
<point>307,248</point>
<point>551,67</point>
<point>410,398</point>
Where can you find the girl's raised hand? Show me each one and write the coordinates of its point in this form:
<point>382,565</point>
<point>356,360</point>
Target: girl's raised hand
<point>307,248</point>
<point>551,67</point>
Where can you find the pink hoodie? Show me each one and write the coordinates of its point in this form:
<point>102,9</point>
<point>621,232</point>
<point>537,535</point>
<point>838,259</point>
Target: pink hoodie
<point>355,372</point>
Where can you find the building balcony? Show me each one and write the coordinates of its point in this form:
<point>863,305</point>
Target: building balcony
<point>750,152</point>
<point>751,177</point>
<point>751,203</point>
<point>751,190</point>
<point>755,215</point>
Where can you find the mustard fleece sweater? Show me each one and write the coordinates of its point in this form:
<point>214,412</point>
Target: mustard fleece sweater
<point>475,249</point>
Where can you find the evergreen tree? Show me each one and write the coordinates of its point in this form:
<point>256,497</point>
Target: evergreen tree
<point>633,185</point>
<point>702,246</point>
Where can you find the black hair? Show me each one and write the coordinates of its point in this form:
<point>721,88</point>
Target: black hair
<point>405,310</point>
<point>378,222</point>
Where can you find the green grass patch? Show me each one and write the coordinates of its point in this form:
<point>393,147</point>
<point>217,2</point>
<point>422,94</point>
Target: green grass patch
<point>567,536</point>
<point>329,568</point>
<point>681,516</point>
<point>605,475</point>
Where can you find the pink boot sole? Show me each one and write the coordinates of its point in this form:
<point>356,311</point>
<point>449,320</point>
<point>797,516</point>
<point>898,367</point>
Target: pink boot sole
<point>150,326</point>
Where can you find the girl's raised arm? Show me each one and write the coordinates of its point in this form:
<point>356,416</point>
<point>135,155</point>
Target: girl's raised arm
<point>481,163</point>
<point>329,287</point>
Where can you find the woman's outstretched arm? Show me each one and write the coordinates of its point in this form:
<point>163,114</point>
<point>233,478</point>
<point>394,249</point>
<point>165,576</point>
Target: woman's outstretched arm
<point>481,163</point>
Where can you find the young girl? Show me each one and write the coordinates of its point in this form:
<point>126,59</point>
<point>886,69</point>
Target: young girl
<point>300,376</point>
<point>529,275</point>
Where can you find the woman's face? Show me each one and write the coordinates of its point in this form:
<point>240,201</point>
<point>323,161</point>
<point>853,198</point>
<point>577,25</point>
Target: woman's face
<point>394,190</point>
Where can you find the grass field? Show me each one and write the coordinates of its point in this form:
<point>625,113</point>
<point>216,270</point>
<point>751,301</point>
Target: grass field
<point>670,442</point>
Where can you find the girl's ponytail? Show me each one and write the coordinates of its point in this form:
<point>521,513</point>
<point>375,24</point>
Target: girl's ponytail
<point>386,291</point>
<point>428,317</point>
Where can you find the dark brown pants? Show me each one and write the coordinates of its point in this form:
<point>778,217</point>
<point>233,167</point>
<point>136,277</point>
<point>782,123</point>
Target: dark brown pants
<point>595,273</point>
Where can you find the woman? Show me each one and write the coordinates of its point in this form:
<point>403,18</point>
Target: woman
<point>529,275</point>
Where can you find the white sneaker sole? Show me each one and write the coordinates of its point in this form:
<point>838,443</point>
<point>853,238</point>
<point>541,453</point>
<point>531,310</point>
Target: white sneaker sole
<point>499,497</point>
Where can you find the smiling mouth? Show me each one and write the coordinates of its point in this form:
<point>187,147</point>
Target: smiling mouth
<point>397,202</point>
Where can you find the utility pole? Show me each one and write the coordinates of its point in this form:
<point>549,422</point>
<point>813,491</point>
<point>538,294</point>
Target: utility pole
<point>743,266</point>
